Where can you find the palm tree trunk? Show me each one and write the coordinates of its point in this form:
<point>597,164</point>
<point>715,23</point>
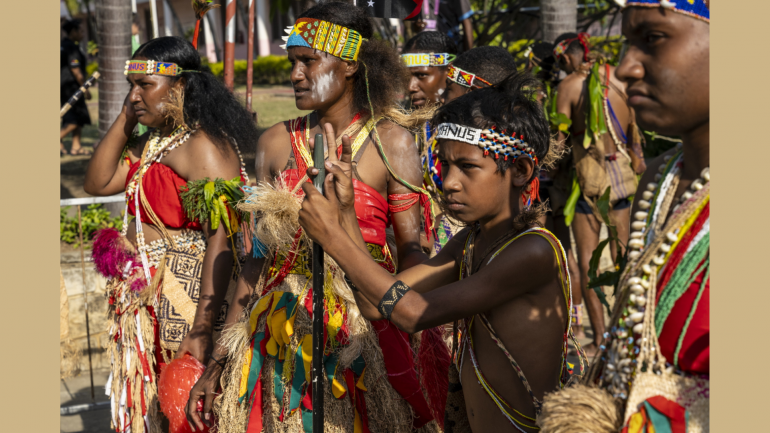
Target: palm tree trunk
<point>114,29</point>
<point>558,17</point>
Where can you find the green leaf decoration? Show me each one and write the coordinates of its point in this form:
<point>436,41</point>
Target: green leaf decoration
<point>593,268</point>
<point>569,207</point>
<point>205,200</point>
<point>208,191</point>
<point>596,126</point>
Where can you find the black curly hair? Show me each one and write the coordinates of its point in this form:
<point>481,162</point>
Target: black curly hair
<point>207,102</point>
<point>381,64</point>
<point>510,105</point>
<point>493,64</point>
<point>430,42</point>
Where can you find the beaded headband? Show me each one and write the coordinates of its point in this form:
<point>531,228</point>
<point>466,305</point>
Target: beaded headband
<point>152,67</point>
<point>465,79</point>
<point>489,140</point>
<point>324,36</point>
<point>562,46</point>
<point>413,60</point>
<point>697,9</point>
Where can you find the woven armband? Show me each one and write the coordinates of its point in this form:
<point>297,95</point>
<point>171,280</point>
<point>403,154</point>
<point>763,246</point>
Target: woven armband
<point>393,295</point>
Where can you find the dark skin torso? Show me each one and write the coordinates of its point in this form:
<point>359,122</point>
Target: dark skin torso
<point>519,291</point>
<point>527,327</point>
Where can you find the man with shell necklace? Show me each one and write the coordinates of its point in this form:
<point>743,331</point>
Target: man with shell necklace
<point>655,358</point>
<point>350,82</point>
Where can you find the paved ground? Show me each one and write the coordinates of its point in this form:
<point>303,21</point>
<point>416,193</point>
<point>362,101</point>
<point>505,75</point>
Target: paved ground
<point>76,391</point>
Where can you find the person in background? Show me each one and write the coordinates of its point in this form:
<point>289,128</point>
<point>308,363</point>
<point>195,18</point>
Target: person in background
<point>73,75</point>
<point>453,15</point>
<point>606,154</point>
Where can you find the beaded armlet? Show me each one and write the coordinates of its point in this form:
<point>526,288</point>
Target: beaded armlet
<point>204,200</point>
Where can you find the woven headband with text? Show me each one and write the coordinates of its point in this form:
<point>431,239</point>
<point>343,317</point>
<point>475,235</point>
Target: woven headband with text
<point>413,60</point>
<point>489,140</point>
<point>152,67</point>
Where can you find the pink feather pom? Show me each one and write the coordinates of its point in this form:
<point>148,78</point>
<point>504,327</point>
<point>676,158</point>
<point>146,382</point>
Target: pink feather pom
<point>109,253</point>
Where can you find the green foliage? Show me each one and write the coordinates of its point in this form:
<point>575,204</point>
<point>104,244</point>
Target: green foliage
<point>569,207</point>
<point>596,126</point>
<point>609,278</point>
<point>92,49</point>
<point>214,201</point>
<point>95,217</point>
<point>609,47</point>
<point>267,70</point>
<point>91,68</point>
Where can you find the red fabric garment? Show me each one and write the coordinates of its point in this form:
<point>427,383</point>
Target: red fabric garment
<point>161,187</point>
<point>694,355</point>
<point>371,208</point>
<point>399,362</point>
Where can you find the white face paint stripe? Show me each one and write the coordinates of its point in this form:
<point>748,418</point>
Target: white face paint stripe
<point>322,86</point>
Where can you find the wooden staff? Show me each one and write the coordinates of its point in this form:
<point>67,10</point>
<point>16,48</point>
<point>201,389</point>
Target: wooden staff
<point>318,300</point>
<point>79,94</point>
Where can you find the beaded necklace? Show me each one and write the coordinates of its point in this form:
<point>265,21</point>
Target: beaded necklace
<point>664,257</point>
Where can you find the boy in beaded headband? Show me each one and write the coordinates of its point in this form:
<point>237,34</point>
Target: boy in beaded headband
<point>604,145</point>
<point>373,368</point>
<point>503,280</point>
<point>661,315</point>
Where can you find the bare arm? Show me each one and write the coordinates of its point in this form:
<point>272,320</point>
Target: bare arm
<point>205,160</point>
<point>106,173</point>
<point>207,385</point>
<point>405,161</point>
<point>431,303</point>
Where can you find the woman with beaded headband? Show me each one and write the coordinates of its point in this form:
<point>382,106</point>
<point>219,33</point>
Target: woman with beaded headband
<point>170,268</point>
<point>427,57</point>
<point>606,150</point>
<point>374,371</point>
<point>503,279</point>
<point>653,371</point>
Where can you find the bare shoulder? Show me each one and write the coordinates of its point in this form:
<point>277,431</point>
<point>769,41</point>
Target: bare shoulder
<point>200,145</point>
<point>210,159</point>
<point>530,258</point>
<point>275,135</point>
<point>572,84</point>
<point>393,134</point>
